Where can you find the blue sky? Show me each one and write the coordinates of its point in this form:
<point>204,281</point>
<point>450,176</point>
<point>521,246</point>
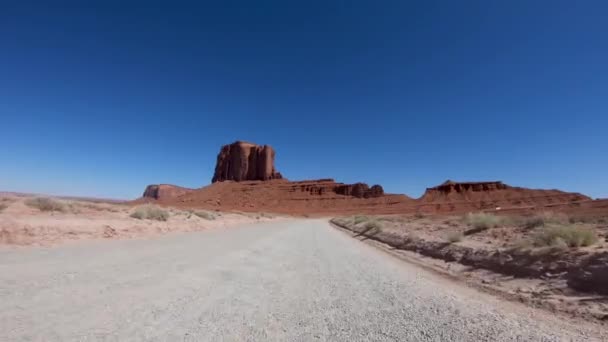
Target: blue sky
<point>103,99</point>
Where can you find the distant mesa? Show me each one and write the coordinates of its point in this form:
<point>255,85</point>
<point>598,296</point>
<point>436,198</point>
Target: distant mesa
<point>164,191</point>
<point>243,161</point>
<point>246,179</point>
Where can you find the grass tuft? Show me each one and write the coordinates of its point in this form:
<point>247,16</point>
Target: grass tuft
<point>372,227</point>
<point>570,235</point>
<point>205,215</point>
<point>150,212</point>
<point>359,219</point>
<point>482,221</point>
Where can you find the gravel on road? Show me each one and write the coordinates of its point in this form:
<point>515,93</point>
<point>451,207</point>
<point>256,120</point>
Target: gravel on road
<point>299,280</point>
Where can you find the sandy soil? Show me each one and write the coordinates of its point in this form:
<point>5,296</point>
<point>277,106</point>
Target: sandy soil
<point>24,225</point>
<point>499,259</point>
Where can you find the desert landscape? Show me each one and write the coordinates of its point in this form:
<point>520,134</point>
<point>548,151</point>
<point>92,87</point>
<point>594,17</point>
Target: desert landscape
<point>547,249</point>
<point>304,171</point>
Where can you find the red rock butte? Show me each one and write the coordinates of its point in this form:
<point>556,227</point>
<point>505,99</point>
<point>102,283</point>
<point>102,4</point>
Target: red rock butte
<point>245,179</point>
<point>243,161</point>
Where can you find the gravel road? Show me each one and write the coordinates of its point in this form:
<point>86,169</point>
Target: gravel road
<point>280,281</point>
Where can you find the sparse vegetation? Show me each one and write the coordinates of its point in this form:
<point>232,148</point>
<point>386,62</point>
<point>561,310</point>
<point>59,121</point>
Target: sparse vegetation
<point>359,219</point>
<point>482,221</point>
<point>3,206</point>
<point>570,235</point>
<point>205,215</point>
<point>454,236</point>
<point>544,219</point>
<point>418,215</point>
<point>372,227</point>
<point>150,212</point>
<point>46,204</point>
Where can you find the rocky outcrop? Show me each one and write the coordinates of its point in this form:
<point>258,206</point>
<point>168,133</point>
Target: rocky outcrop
<point>451,186</point>
<point>359,190</point>
<point>243,161</point>
<point>164,191</point>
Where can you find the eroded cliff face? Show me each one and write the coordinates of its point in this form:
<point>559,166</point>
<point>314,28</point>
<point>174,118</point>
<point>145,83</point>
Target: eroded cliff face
<point>243,161</point>
<point>359,190</point>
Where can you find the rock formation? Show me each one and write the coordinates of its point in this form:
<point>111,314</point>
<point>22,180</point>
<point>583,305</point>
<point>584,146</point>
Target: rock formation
<point>164,191</point>
<point>359,190</point>
<point>243,161</point>
<point>461,196</point>
<point>245,179</point>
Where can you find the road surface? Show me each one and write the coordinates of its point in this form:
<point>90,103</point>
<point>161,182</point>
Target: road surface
<point>279,281</point>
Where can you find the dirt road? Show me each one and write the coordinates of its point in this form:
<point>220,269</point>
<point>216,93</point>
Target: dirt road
<point>281,281</point>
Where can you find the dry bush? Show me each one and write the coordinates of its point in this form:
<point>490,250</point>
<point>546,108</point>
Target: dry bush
<point>372,227</point>
<point>3,206</point>
<point>205,215</point>
<point>150,212</point>
<point>569,235</point>
<point>359,219</point>
<point>452,237</point>
<point>543,219</point>
<point>98,206</point>
<point>46,204</point>
<point>482,221</point>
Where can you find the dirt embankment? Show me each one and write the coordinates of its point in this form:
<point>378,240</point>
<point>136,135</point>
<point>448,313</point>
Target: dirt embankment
<point>28,220</point>
<point>520,248</point>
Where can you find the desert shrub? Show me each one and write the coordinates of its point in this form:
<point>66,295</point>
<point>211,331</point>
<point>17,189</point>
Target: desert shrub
<point>46,204</point>
<point>452,237</point>
<point>570,235</point>
<point>358,219</point>
<point>150,212</point>
<point>482,221</point>
<point>205,215</point>
<point>545,218</point>
<point>3,206</point>
<point>372,227</point>
<point>418,215</point>
<point>533,222</point>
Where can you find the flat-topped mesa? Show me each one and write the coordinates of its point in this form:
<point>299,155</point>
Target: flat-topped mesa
<point>243,161</point>
<point>495,194</point>
<point>164,191</point>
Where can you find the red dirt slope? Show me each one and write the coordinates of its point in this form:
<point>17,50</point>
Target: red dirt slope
<point>282,196</point>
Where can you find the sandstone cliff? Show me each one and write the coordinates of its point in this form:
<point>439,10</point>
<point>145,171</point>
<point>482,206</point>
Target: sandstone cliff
<point>243,161</point>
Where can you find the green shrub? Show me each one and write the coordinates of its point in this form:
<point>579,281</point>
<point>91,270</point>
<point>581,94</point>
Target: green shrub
<point>205,215</point>
<point>46,204</point>
<point>571,235</point>
<point>482,221</point>
<point>454,237</point>
<point>150,212</point>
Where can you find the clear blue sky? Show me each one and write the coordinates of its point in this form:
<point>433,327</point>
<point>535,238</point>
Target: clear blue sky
<point>101,100</point>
